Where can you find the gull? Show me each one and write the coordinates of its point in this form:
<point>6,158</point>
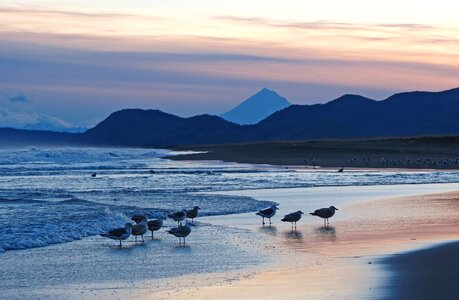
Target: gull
<point>193,213</point>
<point>267,213</point>
<point>293,217</point>
<point>137,218</point>
<point>181,231</point>
<point>119,234</point>
<point>139,229</point>
<point>154,225</point>
<point>178,216</point>
<point>324,213</point>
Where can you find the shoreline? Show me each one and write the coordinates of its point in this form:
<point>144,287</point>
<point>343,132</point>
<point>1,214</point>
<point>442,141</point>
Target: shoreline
<point>301,263</point>
<point>349,253</point>
<point>400,153</point>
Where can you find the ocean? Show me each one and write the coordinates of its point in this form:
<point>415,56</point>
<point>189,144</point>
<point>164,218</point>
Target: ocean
<point>48,196</point>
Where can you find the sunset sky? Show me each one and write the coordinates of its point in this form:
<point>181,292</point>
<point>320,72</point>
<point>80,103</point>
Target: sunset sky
<point>77,61</point>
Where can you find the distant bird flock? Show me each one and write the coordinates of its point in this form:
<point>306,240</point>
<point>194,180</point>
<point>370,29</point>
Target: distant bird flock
<point>142,224</point>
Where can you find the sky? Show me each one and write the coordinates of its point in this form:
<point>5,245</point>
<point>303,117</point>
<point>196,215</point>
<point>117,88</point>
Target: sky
<point>72,63</point>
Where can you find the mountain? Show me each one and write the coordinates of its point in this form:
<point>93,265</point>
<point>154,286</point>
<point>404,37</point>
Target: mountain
<point>154,128</point>
<point>256,108</point>
<point>350,116</point>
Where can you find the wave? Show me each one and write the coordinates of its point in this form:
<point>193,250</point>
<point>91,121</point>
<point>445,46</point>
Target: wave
<point>32,223</point>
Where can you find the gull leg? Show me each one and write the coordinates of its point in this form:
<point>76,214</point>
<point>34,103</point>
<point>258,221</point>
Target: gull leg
<point>263,222</point>
<point>269,221</point>
<point>136,239</point>
<point>152,235</point>
<point>120,244</point>
<point>143,241</point>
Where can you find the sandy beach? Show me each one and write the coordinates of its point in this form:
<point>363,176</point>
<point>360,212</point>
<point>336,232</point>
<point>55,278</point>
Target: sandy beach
<point>357,257</point>
<point>352,258</point>
<point>402,153</point>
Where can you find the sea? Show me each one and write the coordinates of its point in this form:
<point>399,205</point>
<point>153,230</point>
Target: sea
<point>49,196</point>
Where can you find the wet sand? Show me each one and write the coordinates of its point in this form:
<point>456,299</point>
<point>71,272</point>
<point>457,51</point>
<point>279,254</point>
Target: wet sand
<point>347,259</point>
<point>343,261</point>
<point>431,273</point>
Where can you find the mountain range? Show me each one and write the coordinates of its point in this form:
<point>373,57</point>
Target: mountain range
<point>350,116</point>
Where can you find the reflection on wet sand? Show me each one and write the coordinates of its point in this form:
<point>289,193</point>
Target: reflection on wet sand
<point>268,229</point>
<point>293,235</point>
<point>325,233</point>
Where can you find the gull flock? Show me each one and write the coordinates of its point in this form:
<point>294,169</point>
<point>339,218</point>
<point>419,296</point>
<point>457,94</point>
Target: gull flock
<point>182,231</point>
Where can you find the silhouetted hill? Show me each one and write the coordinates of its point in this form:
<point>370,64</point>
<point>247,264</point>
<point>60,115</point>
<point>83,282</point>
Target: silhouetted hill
<point>154,128</point>
<point>350,116</point>
<point>256,108</point>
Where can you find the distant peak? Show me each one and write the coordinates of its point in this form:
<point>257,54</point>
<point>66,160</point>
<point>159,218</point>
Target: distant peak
<point>256,108</point>
<point>266,91</point>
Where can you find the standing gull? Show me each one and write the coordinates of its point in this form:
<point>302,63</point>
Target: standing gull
<point>267,213</point>
<point>119,234</point>
<point>140,229</point>
<point>293,217</point>
<point>137,218</point>
<point>324,213</point>
<point>181,231</point>
<point>178,216</point>
<point>154,225</point>
<point>193,213</point>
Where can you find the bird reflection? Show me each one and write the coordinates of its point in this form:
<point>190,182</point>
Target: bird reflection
<point>268,229</point>
<point>326,233</point>
<point>293,235</point>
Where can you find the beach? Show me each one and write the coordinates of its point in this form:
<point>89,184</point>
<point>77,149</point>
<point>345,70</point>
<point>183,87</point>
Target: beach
<point>352,258</point>
<point>348,259</point>
<point>53,211</point>
<point>400,153</point>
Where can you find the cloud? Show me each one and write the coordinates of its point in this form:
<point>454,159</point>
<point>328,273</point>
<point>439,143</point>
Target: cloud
<point>326,25</point>
<point>32,121</point>
<point>19,98</point>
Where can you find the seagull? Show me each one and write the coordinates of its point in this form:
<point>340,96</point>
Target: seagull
<point>181,231</point>
<point>193,213</point>
<point>324,213</point>
<point>139,229</point>
<point>293,217</point>
<point>154,225</point>
<point>178,216</point>
<point>137,218</point>
<point>267,213</point>
<point>119,234</point>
